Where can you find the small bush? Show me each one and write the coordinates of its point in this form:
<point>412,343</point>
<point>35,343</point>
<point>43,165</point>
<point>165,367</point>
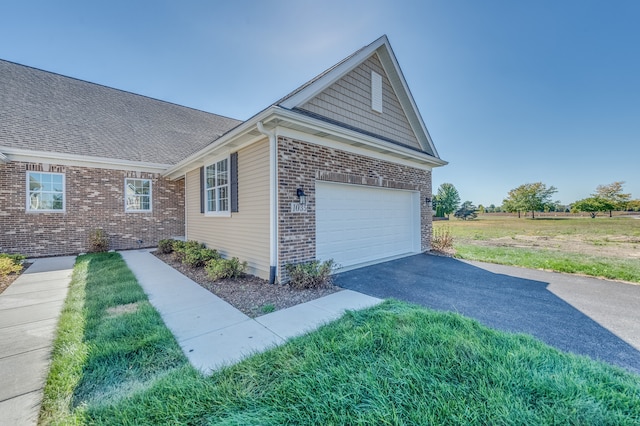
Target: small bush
<point>218,269</point>
<point>268,308</point>
<point>314,274</point>
<point>442,239</point>
<point>165,246</point>
<point>180,248</point>
<point>18,259</point>
<point>8,266</point>
<point>197,257</point>
<point>98,241</point>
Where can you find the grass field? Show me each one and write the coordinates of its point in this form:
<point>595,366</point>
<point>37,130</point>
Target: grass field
<point>115,363</point>
<point>602,247</point>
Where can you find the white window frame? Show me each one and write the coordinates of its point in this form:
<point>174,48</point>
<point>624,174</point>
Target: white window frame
<point>216,189</point>
<point>64,194</point>
<point>126,196</point>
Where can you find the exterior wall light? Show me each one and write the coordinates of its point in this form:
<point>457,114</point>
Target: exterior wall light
<point>301,195</point>
<point>427,200</point>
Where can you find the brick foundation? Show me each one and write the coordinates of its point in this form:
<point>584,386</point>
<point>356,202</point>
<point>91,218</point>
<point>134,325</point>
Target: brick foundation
<point>302,164</point>
<point>94,199</point>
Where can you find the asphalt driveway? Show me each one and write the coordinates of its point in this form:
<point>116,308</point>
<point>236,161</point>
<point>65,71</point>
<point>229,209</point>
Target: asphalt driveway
<point>586,316</point>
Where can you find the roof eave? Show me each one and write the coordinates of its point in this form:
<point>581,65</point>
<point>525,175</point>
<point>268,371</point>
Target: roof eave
<point>275,116</point>
<point>27,155</point>
<point>387,57</point>
<point>179,169</point>
<point>353,136</point>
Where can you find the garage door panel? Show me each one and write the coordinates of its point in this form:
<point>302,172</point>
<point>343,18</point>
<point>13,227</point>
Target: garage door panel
<point>358,224</point>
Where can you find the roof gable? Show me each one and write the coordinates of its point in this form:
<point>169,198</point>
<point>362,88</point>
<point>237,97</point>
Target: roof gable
<point>348,101</point>
<point>342,95</point>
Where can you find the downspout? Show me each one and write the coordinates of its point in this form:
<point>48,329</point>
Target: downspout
<point>3,158</point>
<point>273,202</point>
<point>186,209</point>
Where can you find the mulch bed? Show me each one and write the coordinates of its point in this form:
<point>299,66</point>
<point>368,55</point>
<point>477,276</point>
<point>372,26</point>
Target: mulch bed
<point>250,294</point>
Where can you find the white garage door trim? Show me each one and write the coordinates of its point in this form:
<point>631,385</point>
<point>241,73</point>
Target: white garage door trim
<point>358,225</point>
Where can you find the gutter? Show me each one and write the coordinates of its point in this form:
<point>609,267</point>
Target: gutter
<point>27,155</point>
<point>273,201</point>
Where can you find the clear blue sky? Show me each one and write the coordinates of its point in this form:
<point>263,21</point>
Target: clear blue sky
<point>511,91</point>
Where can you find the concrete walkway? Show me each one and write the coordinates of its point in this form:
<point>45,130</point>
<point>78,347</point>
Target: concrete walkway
<point>211,332</point>
<point>29,312</point>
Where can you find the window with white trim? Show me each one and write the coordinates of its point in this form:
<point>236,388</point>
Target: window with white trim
<point>217,187</point>
<point>137,195</point>
<point>45,192</point>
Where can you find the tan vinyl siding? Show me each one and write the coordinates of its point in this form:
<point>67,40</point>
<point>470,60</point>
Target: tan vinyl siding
<point>246,233</point>
<point>349,101</point>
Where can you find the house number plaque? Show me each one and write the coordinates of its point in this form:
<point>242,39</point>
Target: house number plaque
<point>298,208</point>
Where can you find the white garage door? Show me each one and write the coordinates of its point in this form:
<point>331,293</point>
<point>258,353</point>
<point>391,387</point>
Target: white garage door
<point>358,224</point>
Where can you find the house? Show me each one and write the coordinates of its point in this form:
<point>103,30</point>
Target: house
<point>340,168</point>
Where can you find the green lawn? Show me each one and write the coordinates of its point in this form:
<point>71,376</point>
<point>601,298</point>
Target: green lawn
<point>601,247</point>
<point>490,226</point>
<point>110,343</point>
<point>115,363</point>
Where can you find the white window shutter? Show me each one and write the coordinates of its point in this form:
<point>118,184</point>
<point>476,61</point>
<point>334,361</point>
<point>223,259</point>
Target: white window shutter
<point>376,91</point>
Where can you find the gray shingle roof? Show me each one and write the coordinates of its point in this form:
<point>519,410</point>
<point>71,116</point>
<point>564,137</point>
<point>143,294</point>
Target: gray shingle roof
<point>49,112</point>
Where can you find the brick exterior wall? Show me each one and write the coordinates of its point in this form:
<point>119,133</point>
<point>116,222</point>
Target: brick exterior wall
<point>94,199</point>
<point>301,164</point>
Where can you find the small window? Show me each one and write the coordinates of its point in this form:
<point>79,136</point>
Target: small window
<point>45,192</point>
<point>137,195</point>
<point>217,187</point>
<point>376,91</point>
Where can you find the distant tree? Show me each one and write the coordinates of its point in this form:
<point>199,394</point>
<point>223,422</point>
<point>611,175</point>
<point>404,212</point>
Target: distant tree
<point>447,199</point>
<point>481,209</point>
<point>510,205</point>
<point>592,205</point>
<point>558,207</point>
<point>467,211</point>
<point>612,193</point>
<point>491,208</point>
<point>633,205</point>
<point>529,197</point>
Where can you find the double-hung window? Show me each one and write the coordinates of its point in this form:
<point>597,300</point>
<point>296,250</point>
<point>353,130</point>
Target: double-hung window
<point>217,188</point>
<point>137,195</point>
<point>45,192</point>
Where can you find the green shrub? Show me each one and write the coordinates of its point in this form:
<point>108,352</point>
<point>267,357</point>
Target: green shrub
<point>8,266</point>
<point>98,241</point>
<point>268,308</point>
<point>180,248</point>
<point>314,274</point>
<point>196,257</point>
<point>18,259</point>
<point>166,246</point>
<point>178,245</point>
<point>218,269</point>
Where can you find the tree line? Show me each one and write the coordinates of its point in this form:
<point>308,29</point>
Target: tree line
<point>536,197</point>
